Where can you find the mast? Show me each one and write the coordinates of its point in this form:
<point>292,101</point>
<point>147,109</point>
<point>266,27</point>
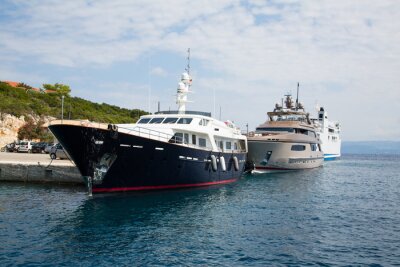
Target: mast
<point>188,61</point>
<point>297,97</point>
<point>183,87</point>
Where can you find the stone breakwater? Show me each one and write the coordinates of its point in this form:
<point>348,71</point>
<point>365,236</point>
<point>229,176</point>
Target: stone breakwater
<point>21,167</point>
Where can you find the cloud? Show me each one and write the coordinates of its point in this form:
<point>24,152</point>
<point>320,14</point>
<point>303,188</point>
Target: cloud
<point>343,53</point>
<point>158,71</point>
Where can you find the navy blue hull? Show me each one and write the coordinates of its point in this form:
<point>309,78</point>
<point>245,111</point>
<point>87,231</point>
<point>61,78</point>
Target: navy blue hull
<point>140,163</point>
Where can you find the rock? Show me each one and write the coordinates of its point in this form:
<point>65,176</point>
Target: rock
<point>9,126</point>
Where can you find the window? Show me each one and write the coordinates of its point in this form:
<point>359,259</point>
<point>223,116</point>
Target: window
<point>193,139</point>
<point>156,120</point>
<point>170,120</point>
<point>228,145</point>
<point>202,142</point>
<point>203,122</point>
<point>145,120</point>
<point>221,145</point>
<point>177,138</point>
<point>235,146</point>
<point>186,138</point>
<point>185,120</point>
<point>298,147</point>
<point>314,147</point>
<point>274,129</point>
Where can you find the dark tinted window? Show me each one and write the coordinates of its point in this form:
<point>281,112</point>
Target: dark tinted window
<point>185,120</point>
<point>156,120</point>
<point>272,129</point>
<point>170,120</point>
<point>193,139</point>
<point>146,120</point>
<point>298,147</point>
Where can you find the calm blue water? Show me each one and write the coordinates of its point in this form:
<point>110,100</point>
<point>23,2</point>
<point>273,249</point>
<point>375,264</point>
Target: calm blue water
<point>346,213</point>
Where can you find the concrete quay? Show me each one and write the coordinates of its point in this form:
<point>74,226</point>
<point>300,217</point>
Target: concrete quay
<point>24,167</point>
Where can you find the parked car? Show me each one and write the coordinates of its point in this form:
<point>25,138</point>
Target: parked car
<point>47,149</point>
<point>38,147</point>
<point>57,151</point>
<point>9,148</point>
<point>25,146</point>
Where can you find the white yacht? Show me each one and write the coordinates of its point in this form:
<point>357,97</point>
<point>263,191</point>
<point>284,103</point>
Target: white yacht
<point>286,141</point>
<point>329,134</point>
<point>170,149</point>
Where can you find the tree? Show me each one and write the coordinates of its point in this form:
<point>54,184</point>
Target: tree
<point>27,131</point>
<point>30,131</point>
<point>61,89</point>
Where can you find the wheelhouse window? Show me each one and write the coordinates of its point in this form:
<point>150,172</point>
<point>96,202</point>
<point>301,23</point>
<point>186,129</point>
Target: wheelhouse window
<point>170,120</point>
<point>298,147</point>
<point>185,120</point>
<point>144,120</point>
<point>156,120</point>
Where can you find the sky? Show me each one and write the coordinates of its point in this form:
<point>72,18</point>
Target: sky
<point>245,55</point>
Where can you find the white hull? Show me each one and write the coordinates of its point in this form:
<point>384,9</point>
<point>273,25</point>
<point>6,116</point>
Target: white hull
<point>278,156</point>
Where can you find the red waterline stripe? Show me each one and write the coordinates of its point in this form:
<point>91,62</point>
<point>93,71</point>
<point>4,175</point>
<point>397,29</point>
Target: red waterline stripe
<point>155,187</point>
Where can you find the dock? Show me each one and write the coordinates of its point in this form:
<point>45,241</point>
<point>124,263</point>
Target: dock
<point>37,168</point>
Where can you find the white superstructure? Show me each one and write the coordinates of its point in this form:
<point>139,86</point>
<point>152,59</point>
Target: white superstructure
<point>329,134</point>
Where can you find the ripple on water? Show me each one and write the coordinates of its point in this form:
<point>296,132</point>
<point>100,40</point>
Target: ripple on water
<point>345,213</point>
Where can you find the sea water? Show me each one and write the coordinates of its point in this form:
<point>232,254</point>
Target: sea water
<point>344,213</point>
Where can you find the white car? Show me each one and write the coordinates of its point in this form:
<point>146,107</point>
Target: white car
<point>25,146</point>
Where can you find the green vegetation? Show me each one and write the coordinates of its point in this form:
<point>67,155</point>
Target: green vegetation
<point>61,89</point>
<point>19,102</point>
<point>30,131</point>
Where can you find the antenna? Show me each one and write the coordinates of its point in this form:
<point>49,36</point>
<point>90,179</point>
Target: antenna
<point>297,97</point>
<point>188,61</point>
<point>214,100</point>
<point>149,86</point>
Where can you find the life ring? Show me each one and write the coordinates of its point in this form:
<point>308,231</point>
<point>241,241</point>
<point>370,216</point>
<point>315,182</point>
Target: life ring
<point>235,163</point>
<point>222,162</point>
<point>214,163</point>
